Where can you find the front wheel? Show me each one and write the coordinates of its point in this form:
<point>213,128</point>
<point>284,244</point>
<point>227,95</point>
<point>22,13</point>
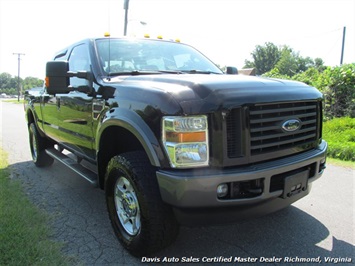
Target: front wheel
<point>38,146</point>
<point>141,221</point>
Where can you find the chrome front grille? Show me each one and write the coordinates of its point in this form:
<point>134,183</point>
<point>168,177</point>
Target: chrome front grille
<point>264,133</point>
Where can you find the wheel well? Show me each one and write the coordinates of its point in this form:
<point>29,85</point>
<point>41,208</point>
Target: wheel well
<point>113,141</point>
<point>30,117</point>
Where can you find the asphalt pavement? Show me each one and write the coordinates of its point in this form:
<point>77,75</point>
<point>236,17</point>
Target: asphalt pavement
<point>318,228</point>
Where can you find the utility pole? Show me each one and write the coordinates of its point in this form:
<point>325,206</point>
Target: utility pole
<point>18,74</point>
<point>125,7</point>
<point>342,46</point>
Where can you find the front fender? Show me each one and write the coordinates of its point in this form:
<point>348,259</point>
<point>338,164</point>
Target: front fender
<point>132,122</point>
<point>31,114</point>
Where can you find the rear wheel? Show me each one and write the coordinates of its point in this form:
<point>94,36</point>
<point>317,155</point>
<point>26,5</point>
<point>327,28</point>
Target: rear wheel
<point>38,146</point>
<point>141,221</point>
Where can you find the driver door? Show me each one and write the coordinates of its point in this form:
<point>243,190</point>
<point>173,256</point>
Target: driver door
<point>75,107</point>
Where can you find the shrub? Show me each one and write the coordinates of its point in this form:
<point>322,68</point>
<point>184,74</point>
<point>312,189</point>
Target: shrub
<point>338,86</point>
<point>340,135</point>
<point>310,77</point>
<point>336,83</point>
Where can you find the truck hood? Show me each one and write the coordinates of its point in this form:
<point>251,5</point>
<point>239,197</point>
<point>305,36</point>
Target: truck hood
<point>206,93</point>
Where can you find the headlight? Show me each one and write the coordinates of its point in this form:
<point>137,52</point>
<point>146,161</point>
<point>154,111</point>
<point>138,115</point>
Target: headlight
<point>186,140</point>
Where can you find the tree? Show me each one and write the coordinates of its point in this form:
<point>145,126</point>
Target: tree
<point>8,84</point>
<point>304,63</point>
<point>284,61</point>
<point>7,81</point>
<point>31,82</point>
<point>264,58</point>
<point>319,64</point>
<point>291,63</point>
<point>288,62</point>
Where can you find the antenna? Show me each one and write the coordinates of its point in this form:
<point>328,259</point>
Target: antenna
<point>108,35</point>
<point>109,57</point>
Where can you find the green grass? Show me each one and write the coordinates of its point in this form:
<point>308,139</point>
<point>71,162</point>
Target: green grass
<point>24,232</point>
<point>337,162</point>
<point>14,101</point>
<point>340,135</point>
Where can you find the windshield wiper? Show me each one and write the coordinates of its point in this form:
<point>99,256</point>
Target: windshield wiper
<point>134,73</point>
<point>195,71</point>
<point>153,72</point>
<point>171,71</point>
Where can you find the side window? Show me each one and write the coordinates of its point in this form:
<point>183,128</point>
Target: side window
<point>79,61</point>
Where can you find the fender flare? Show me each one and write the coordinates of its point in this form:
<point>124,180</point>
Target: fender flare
<point>30,111</point>
<point>132,122</point>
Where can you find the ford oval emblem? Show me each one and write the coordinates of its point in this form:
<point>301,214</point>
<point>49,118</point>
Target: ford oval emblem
<point>291,125</point>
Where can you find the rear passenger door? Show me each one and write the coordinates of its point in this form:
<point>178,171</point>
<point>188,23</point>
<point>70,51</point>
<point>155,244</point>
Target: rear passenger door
<point>76,106</point>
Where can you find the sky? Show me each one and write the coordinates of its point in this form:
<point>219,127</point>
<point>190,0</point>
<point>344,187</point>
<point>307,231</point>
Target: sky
<point>226,31</point>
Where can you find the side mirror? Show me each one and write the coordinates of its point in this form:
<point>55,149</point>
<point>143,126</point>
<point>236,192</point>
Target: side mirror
<point>232,70</point>
<point>57,80</point>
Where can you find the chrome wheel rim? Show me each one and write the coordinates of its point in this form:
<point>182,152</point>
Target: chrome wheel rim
<point>34,147</point>
<point>127,206</point>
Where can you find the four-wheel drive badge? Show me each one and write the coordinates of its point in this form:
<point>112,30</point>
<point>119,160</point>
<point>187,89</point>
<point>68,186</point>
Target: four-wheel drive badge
<point>291,125</point>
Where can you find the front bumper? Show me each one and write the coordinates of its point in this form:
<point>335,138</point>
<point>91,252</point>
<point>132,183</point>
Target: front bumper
<point>193,192</point>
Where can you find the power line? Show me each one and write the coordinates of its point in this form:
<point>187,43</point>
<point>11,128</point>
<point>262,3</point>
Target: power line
<point>336,42</point>
<point>314,35</point>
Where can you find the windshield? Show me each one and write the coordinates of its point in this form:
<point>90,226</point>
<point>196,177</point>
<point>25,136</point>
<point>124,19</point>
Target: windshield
<point>120,56</point>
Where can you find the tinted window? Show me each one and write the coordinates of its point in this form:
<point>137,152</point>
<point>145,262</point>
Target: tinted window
<point>119,55</point>
<point>79,61</point>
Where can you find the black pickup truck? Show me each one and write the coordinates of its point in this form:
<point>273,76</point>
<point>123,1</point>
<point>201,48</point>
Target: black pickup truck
<point>172,139</point>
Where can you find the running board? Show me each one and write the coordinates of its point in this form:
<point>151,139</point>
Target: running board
<point>73,165</point>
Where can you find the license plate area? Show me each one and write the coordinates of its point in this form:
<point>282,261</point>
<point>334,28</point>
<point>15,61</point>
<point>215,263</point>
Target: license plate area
<point>295,184</point>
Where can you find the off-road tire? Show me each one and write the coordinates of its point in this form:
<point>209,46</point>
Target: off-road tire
<point>38,145</point>
<point>133,179</point>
